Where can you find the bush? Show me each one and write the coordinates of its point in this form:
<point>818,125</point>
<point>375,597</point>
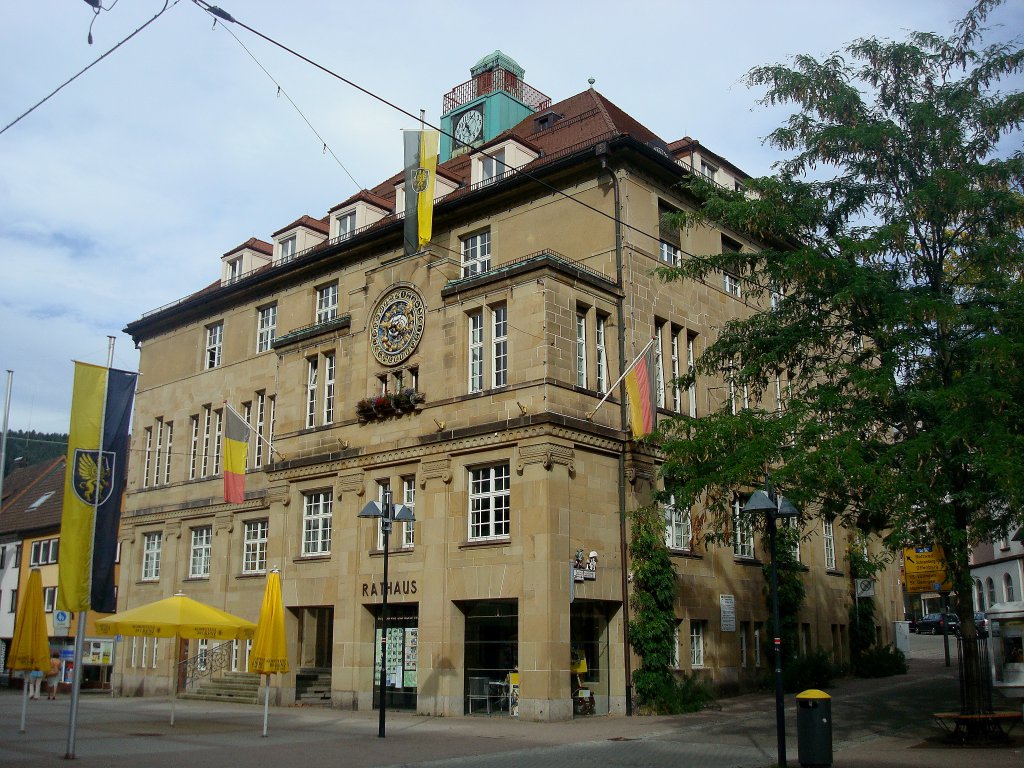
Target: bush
<point>682,693</point>
<point>815,670</point>
<point>881,662</point>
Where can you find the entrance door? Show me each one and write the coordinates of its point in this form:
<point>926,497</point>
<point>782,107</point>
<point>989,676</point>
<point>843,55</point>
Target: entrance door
<point>403,656</point>
<point>492,654</point>
<point>316,637</point>
<point>588,633</point>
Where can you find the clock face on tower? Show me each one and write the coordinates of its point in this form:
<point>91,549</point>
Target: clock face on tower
<point>470,126</point>
<point>396,326</point>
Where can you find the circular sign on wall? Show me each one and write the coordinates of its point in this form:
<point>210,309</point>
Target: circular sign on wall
<point>396,325</point>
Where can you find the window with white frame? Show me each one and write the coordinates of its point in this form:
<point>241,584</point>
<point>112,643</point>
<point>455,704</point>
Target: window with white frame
<point>708,169</point>
<point>476,253</point>
<point>218,431</point>
<point>49,599</point>
<point>316,523</point>
<point>677,526</point>
<point>675,645</point>
<point>696,643</point>
<point>581,349</point>
<point>691,342</point>
<point>677,393</point>
<point>383,488</point>
<point>476,351</point>
<point>168,440</point>
<point>828,536</point>
<point>158,459</point>
<point>731,284</point>
<point>207,427</point>
<point>234,270</point>
<point>492,165</point>
<point>258,428</point>
<point>214,344</point>
<point>409,500</point>
<point>266,327</point>
<point>329,388</point>
<point>346,225</point>
<point>743,533</point>
<point>147,463</point>
<point>44,552</point>
<point>326,303</point>
<point>489,502</point>
<point>311,371</point>
<point>151,556</point>
<point>602,355</point>
<point>269,441</point>
<point>193,446</point>
<point>13,604</point>
<point>199,552</point>
<point>1008,588</point>
<point>288,248</point>
<point>659,369</point>
<point>670,254</point>
<point>794,524</point>
<point>202,653</point>
<point>499,346</point>
<point>254,546</point>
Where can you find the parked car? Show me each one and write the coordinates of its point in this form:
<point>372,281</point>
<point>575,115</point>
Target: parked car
<point>981,623</point>
<point>934,623</point>
<point>913,624</point>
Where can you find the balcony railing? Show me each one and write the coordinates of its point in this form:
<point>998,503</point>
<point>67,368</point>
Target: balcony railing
<point>490,82</point>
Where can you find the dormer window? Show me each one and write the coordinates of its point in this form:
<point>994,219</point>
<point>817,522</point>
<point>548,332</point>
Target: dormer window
<point>709,170</point>
<point>288,248</point>
<point>545,121</point>
<point>234,270</point>
<point>493,166</point>
<point>494,162</point>
<point>346,225</point>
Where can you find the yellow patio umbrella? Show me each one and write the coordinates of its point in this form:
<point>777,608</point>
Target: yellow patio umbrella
<point>177,616</point>
<point>269,653</point>
<point>30,648</point>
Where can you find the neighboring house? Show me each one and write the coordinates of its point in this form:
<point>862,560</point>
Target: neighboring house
<point>998,571</point>
<point>30,521</point>
<point>463,381</point>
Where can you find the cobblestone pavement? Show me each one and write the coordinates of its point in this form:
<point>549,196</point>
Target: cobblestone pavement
<point>884,722</point>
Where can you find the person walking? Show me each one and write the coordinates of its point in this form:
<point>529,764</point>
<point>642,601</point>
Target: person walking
<point>35,679</point>
<point>52,676</point>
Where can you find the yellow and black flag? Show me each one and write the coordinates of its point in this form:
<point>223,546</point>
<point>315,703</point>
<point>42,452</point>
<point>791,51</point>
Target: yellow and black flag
<point>101,408</point>
<point>420,169</point>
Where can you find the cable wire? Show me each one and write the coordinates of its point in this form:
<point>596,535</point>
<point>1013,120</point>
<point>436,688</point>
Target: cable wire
<point>74,77</point>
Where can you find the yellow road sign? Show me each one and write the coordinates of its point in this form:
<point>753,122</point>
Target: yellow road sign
<point>925,569</point>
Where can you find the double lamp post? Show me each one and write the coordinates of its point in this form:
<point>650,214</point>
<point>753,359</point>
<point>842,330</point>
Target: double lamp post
<point>774,507</point>
<point>388,514</point>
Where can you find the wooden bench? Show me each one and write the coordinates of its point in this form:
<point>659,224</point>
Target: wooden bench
<point>986,725</point>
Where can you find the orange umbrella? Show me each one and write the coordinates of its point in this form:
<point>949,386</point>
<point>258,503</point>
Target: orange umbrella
<point>269,651</point>
<point>30,648</point>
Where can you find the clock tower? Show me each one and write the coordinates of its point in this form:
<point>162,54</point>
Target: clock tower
<point>494,100</point>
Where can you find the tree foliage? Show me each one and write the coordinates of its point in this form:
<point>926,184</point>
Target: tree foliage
<point>33,447</point>
<point>890,239</point>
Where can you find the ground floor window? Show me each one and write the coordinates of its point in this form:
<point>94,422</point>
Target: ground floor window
<point>589,622</point>
<point>492,654</point>
<point>402,664</point>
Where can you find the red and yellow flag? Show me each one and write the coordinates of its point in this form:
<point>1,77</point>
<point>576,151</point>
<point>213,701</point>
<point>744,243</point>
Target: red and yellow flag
<point>640,389</point>
<point>236,454</point>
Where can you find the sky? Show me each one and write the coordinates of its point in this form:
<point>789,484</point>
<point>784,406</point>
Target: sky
<point>120,193</point>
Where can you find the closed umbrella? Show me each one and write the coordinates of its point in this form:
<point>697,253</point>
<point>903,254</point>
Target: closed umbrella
<point>177,616</point>
<point>30,648</point>
<point>269,654</point>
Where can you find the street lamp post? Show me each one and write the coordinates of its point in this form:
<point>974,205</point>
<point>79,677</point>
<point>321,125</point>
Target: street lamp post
<point>774,507</point>
<point>388,514</point>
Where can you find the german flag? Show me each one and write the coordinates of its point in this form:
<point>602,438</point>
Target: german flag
<point>101,407</point>
<point>420,170</point>
<point>236,454</point>
<point>640,389</point>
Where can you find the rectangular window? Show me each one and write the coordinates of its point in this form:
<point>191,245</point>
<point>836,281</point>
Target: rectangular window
<point>489,511</point>
<point>492,165</point>
<point>677,393</point>
<point>207,426</point>
<point>476,253</point>
<point>409,500</point>
<point>691,340</point>
<point>288,248</point>
<point>696,644</point>
<point>383,488</point>
<point>670,254</point>
<point>326,303</point>
<point>199,554</point>
<point>311,364</point>
<point>151,556</point>
<point>346,225</point>
<point>316,523</point>
<point>158,460</point>
<point>602,356</point>
<point>234,269</point>
<point>476,352</point>
<point>581,349</point>
<point>147,463</point>
<point>709,170</point>
<point>677,526</point>
<point>830,545</point>
<point>169,433</point>
<point>270,429</point>
<point>743,533</point>
<point>731,284</point>
<point>43,552</point>
<point>214,342</point>
<point>659,366</point>
<point>329,388</point>
<point>217,442</point>
<point>731,275</point>
<point>13,605</point>
<point>794,523</point>
<point>49,599</point>
<point>193,446</point>
<point>744,651</point>
<point>254,547</point>
<point>266,327</point>
<point>499,346</point>
<point>261,413</point>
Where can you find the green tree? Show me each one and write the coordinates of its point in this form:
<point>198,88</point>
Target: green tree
<point>891,236</point>
<point>33,447</point>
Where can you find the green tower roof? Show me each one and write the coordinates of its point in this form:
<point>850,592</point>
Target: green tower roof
<point>497,60</point>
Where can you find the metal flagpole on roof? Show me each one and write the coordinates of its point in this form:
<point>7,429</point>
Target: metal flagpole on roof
<point>3,440</point>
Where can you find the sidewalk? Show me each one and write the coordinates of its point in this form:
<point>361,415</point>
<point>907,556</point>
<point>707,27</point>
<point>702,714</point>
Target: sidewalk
<point>876,724</point>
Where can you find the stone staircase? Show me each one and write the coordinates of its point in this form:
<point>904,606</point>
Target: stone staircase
<point>313,686</point>
<point>240,687</point>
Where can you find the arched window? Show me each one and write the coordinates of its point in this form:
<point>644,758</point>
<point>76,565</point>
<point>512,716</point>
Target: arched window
<point>979,596</point>
<point>991,591</point>
<point>1008,587</point>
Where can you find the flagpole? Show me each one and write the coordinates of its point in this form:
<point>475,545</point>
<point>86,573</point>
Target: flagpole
<point>251,429</point>
<point>625,373</point>
<point>3,440</point>
<point>76,672</point>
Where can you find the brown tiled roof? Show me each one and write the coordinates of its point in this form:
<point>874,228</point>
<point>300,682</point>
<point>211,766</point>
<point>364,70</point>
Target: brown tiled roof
<point>308,222</point>
<point>22,513</point>
<point>365,196</point>
<point>253,244</point>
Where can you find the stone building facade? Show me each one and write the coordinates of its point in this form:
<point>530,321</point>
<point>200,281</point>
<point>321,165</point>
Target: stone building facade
<point>463,379</point>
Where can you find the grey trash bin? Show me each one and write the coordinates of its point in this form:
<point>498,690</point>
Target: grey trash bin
<point>814,728</point>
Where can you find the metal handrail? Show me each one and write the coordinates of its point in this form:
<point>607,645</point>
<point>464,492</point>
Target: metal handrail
<point>490,82</point>
<point>204,664</point>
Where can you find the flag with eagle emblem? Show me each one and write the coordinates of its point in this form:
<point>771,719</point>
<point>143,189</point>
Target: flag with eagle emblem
<point>101,407</point>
